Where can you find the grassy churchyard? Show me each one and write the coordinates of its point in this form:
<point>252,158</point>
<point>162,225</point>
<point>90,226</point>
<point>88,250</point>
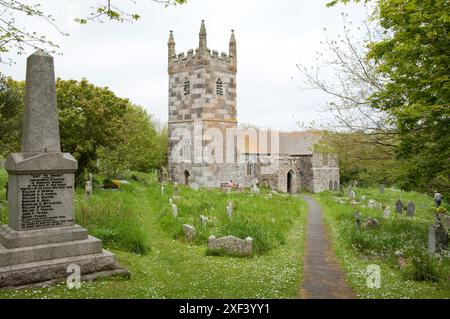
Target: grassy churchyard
<point>398,246</point>
<point>137,224</point>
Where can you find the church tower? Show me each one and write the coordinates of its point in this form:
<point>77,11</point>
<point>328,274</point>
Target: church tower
<point>202,99</point>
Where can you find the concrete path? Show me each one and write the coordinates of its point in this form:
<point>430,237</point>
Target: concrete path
<point>323,278</point>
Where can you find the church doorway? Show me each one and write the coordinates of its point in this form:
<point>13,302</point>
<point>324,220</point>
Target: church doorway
<point>186,177</point>
<point>290,180</point>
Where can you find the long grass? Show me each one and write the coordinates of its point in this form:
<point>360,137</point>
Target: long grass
<point>266,220</point>
<point>115,218</point>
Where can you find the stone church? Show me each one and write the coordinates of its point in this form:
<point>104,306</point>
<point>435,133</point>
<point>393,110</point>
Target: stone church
<point>207,147</point>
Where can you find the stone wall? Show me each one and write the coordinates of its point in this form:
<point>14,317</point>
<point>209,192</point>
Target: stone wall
<point>325,170</point>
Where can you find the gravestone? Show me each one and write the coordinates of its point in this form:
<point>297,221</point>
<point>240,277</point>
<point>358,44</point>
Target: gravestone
<point>387,212</point>
<point>162,190</point>
<point>350,189</point>
<point>363,198</point>
<point>189,232</point>
<point>175,189</point>
<point>42,239</point>
<point>370,223</point>
<point>357,216</point>
<point>174,210</point>
<point>410,209</point>
<point>231,245</point>
<point>230,210</point>
<point>88,189</point>
<point>204,220</point>
<point>399,206</point>
<point>438,238</point>
<point>382,188</point>
<point>352,195</point>
<point>194,186</point>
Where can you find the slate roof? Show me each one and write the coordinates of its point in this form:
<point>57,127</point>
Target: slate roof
<point>291,143</point>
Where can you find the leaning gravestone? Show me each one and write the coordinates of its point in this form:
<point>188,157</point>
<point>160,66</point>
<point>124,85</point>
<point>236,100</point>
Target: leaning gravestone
<point>410,209</point>
<point>42,238</point>
<point>399,206</point>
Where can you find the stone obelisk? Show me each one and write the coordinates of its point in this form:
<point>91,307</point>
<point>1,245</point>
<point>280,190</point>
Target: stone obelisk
<point>42,239</point>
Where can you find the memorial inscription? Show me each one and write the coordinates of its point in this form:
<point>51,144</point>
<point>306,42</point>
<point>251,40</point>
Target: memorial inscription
<point>45,200</point>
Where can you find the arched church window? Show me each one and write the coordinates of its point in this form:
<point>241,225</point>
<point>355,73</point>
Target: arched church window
<point>186,155</point>
<point>187,87</point>
<point>219,87</point>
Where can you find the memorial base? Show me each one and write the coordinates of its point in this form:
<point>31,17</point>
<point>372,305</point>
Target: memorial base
<point>39,256</point>
<point>42,273</point>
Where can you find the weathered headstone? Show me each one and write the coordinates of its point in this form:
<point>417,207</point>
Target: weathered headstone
<point>174,210</point>
<point>231,245</point>
<point>204,220</point>
<point>230,210</point>
<point>162,190</point>
<point>42,239</point>
<point>370,223</point>
<point>372,203</point>
<point>382,188</point>
<point>363,198</point>
<point>438,238</point>
<point>410,209</point>
<point>357,216</point>
<point>352,195</point>
<point>88,189</point>
<point>399,207</point>
<point>387,212</point>
<point>189,232</point>
<point>175,189</point>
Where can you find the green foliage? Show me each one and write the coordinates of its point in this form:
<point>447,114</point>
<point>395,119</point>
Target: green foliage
<point>10,115</point>
<point>114,217</point>
<point>94,124</point>
<point>413,56</point>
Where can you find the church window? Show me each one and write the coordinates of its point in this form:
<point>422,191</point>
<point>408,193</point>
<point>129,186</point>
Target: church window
<point>187,87</point>
<point>186,151</point>
<point>219,87</point>
<point>324,159</point>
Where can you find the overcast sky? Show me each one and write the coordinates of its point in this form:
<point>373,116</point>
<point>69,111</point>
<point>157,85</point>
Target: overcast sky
<point>131,59</point>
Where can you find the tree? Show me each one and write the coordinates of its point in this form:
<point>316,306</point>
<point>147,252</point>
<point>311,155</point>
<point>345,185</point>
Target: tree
<point>10,115</point>
<point>94,123</point>
<point>413,56</point>
<point>90,117</point>
<point>363,138</point>
<point>138,148</point>
<point>16,37</point>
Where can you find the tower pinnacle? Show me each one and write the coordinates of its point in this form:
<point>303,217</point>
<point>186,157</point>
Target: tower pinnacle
<point>202,36</point>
